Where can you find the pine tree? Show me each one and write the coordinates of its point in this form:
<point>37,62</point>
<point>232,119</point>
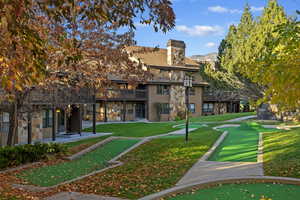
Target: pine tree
<point>227,52</point>
<point>257,45</point>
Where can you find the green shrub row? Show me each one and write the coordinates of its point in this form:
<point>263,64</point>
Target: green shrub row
<point>17,155</point>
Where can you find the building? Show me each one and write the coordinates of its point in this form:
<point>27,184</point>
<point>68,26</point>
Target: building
<point>161,98</point>
<point>220,102</point>
<point>44,120</point>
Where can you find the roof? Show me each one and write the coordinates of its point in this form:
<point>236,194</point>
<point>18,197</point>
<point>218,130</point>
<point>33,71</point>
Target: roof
<point>158,57</point>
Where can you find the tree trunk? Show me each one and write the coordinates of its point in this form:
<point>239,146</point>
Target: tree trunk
<point>13,124</point>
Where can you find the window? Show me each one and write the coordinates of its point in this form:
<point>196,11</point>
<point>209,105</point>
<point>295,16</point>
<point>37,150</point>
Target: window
<point>192,108</point>
<point>163,89</point>
<point>164,108</point>
<point>208,107</point>
<point>4,122</point>
<point>192,92</point>
<point>47,118</point>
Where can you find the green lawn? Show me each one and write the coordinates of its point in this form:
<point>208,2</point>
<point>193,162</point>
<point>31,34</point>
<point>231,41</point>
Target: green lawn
<point>92,161</point>
<point>218,118</point>
<point>148,129</point>
<point>152,167</point>
<point>135,129</point>
<point>240,145</point>
<point>255,191</point>
<point>191,125</point>
<point>282,153</point>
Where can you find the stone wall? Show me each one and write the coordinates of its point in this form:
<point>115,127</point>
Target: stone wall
<point>38,132</point>
<point>220,108</point>
<point>177,100</point>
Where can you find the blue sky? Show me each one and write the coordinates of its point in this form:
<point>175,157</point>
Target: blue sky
<point>202,24</point>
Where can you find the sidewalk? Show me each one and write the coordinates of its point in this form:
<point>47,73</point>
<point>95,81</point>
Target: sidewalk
<point>74,137</point>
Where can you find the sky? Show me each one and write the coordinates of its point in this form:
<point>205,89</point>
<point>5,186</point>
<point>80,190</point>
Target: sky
<point>202,24</point>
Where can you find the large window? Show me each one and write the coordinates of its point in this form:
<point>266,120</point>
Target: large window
<point>208,107</point>
<point>47,118</point>
<point>163,89</point>
<point>165,108</point>
<point>192,108</point>
<point>4,122</point>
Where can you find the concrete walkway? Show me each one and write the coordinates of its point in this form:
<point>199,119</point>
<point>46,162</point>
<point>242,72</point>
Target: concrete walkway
<point>74,137</point>
<point>209,171</point>
<point>242,118</point>
<point>212,171</point>
<point>79,196</point>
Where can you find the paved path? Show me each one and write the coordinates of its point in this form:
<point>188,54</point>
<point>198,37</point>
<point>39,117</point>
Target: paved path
<point>74,137</point>
<point>79,196</point>
<point>209,171</point>
<point>242,118</point>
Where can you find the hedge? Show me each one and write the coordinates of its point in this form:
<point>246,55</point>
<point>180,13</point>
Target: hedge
<point>17,155</point>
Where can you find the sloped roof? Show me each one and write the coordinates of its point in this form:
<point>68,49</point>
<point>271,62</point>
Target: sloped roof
<point>158,57</point>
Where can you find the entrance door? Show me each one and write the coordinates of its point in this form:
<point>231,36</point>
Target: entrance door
<point>74,120</point>
<point>61,121</point>
<point>140,111</point>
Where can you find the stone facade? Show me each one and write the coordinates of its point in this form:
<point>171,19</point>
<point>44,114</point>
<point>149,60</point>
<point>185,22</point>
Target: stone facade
<point>177,100</point>
<point>220,108</point>
<point>37,128</point>
<point>176,52</point>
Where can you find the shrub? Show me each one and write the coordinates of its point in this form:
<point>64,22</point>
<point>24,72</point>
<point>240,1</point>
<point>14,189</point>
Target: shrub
<point>17,155</point>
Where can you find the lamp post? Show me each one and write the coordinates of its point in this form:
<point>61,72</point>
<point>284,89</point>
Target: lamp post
<point>188,83</point>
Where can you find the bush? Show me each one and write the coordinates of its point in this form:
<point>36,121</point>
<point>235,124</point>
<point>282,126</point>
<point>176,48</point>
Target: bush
<point>17,155</point>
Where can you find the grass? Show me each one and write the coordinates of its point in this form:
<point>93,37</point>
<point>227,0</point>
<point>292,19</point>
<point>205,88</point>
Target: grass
<point>223,117</point>
<point>149,129</point>
<point>257,191</point>
<point>92,161</point>
<point>282,153</point>
<point>152,167</point>
<point>74,147</point>
<point>135,129</point>
<point>240,145</point>
<point>191,125</point>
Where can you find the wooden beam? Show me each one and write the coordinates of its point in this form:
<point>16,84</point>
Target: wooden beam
<point>80,120</point>
<point>124,111</point>
<point>105,112</point>
<point>53,124</point>
<point>94,118</point>
<point>29,128</point>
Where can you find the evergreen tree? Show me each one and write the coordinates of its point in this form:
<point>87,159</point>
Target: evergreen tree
<point>227,52</point>
<point>257,45</point>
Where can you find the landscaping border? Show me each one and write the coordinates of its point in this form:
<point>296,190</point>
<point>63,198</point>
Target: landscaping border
<point>206,184</point>
<point>114,162</point>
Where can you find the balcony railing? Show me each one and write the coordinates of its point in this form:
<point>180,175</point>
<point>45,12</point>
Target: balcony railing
<point>61,96</point>
<point>114,94</point>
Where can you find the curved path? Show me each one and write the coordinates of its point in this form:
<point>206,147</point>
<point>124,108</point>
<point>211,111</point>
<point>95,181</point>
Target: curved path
<point>206,172</point>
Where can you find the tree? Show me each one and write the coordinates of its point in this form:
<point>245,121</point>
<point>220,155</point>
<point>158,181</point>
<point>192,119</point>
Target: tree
<point>70,43</point>
<point>265,53</point>
<point>256,46</point>
<point>281,67</point>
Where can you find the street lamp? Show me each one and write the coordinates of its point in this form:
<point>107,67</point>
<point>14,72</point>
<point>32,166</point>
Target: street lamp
<point>187,83</point>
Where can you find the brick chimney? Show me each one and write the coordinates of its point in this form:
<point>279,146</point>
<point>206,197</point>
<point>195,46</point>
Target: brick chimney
<point>176,52</point>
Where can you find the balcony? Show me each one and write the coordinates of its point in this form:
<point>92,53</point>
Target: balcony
<point>114,94</point>
<point>61,96</point>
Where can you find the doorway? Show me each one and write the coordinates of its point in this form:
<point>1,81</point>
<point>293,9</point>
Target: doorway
<point>140,111</point>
